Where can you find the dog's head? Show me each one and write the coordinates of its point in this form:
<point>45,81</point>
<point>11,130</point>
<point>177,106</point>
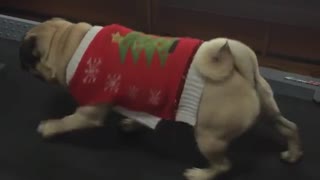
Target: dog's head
<point>37,49</point>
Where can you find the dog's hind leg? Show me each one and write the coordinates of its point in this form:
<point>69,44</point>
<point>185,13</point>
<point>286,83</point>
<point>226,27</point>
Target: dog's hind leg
<point>226,111</point>
<point>84,117</point>
<point>285,127</point>
<point>213,149</point>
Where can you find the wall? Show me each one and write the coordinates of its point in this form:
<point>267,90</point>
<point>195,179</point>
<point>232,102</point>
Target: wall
<point>291,12</point>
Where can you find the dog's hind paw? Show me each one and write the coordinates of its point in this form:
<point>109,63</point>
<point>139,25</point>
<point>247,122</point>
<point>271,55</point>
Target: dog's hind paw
<point>197,174</point>
<point>291,157</point>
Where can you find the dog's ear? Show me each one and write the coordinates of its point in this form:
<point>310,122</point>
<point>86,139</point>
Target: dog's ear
<point>28,53</point>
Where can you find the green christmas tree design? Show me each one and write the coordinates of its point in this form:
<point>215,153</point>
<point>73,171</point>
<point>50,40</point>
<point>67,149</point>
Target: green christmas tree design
<point>138,42</point>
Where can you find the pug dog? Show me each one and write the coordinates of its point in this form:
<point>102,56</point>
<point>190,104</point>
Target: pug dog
<point>213,85</point>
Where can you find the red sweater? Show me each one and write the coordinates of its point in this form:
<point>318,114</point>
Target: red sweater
<point>140,72</point>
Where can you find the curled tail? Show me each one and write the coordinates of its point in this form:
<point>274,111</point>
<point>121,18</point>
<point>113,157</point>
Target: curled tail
<point>213,59</point>
<point>218,58</point>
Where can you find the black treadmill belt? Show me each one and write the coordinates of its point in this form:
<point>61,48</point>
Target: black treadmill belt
<point>106,153</point>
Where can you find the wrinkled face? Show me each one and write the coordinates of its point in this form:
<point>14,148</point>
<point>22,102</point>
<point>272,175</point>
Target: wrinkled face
<point>36,47</point>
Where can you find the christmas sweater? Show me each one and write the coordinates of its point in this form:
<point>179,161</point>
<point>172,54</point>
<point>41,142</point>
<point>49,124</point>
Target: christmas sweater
<point>146,77</point>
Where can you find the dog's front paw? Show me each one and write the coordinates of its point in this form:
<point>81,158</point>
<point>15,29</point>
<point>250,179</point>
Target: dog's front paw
<point>197,174</point>
<point>291,157</point>
<point>48,128</point>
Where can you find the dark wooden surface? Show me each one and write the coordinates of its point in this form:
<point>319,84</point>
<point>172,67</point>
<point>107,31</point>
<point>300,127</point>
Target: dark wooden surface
<point>130,13</point>
<point>285,47</point>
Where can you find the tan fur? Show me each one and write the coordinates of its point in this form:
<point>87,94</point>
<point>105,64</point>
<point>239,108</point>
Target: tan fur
<point>233,97</point>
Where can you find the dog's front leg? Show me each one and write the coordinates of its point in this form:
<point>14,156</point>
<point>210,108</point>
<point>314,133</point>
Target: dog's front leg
<point>84,117</point>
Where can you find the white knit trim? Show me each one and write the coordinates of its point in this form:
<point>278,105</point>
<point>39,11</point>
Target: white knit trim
<point>190,97</point>
<point>77,56</point>
<point>143,118</point>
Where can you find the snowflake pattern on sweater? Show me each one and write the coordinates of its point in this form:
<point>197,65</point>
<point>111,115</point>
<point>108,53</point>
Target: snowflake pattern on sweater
<point>91,70</point>
<point>113,83</point>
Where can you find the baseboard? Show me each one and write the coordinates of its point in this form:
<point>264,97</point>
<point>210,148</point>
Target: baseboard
<point>284,83</point>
